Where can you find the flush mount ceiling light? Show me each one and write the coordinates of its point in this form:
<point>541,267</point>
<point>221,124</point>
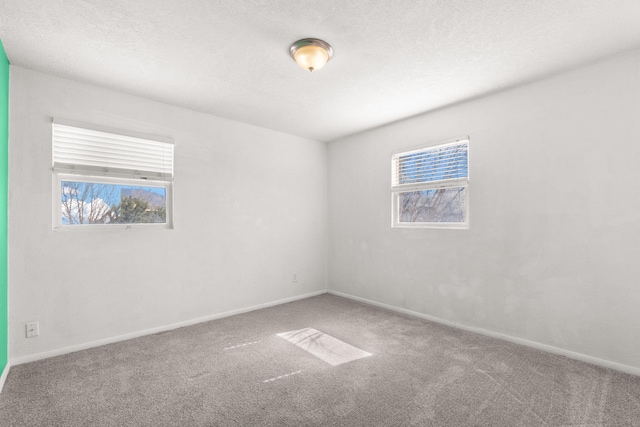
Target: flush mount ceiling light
<point>311,54</point>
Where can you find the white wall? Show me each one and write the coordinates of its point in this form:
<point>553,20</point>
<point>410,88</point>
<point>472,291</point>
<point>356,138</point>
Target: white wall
<point>552,254</point>
<point>250,210</point>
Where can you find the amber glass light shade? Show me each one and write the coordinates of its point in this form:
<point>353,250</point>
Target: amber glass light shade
<point>311,58</point>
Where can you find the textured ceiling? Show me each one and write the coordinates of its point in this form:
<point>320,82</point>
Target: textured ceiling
<point>392,58</point>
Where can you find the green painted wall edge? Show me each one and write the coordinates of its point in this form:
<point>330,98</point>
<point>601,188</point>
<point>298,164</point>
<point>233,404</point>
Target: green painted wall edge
<point>4,189</point>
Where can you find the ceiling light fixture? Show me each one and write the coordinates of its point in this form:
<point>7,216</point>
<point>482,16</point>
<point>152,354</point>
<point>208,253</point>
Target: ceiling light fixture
<point>311,54</point>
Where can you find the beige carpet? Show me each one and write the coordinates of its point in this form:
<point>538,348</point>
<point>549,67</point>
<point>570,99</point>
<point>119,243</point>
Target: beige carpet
<point>323,361</point>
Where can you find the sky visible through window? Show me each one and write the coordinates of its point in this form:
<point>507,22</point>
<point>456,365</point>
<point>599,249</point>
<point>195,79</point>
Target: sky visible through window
<point>100,203</point>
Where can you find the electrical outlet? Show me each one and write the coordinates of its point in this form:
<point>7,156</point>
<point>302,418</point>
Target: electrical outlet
<point>32,329</point>
<point>294,278</point>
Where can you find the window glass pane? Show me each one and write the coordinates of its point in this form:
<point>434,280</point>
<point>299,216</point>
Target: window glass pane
<point>100,203</point>
<point>435,205</point>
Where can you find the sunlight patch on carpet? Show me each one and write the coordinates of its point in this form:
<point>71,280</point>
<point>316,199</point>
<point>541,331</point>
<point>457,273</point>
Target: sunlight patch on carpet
<point>323,346</point>
<point>241,345</point>
<point>281,376</point>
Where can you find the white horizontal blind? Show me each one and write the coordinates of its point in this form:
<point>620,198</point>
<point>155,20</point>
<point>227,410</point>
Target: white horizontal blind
<point>86,151</point>
<point>444,162</point>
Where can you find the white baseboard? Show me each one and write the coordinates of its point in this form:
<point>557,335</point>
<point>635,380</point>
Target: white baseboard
<point>539,346</point>
<point>5,373</point>
<point>65,350</point>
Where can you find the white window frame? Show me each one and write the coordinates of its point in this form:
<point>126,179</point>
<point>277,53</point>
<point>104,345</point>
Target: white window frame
<point>104,176</point>
<point>397,189</point>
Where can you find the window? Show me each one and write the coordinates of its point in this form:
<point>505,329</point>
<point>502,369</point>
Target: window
<point>107,179</point>
<point>430,186</point>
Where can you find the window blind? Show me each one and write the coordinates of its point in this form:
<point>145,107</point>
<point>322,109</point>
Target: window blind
<point>439,163</point>
<point>86,151</point>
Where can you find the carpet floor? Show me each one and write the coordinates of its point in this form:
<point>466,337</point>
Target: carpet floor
<point>322,361</point>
